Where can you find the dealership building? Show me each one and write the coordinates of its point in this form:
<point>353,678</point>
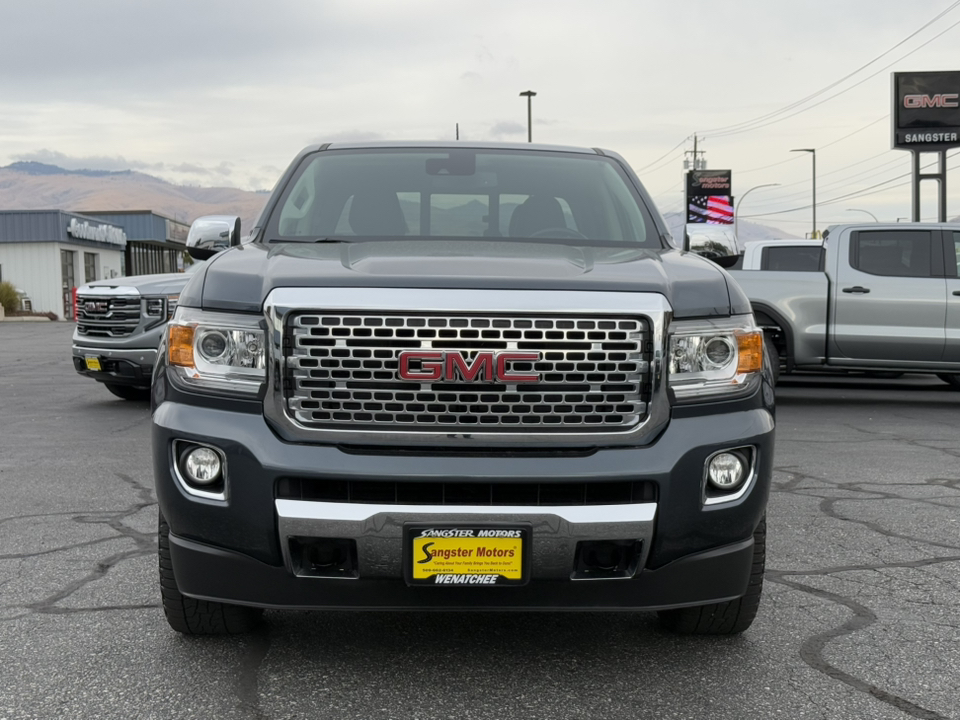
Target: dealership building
<point>155,243</point>
<point>46,254</point>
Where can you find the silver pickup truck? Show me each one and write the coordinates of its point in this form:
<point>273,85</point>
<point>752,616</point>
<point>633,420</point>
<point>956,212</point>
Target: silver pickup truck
<point>883,297</point>
<point>119,325</point>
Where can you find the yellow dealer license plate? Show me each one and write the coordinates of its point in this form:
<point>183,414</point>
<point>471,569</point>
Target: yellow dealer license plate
<point>467,555</point>
<point>93,363</point>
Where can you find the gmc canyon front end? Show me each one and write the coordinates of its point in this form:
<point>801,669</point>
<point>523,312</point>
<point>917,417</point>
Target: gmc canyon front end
<point>460,376</point>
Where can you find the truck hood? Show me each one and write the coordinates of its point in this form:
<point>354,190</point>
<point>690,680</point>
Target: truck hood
<point>167,284</point>
<point>240,279</point>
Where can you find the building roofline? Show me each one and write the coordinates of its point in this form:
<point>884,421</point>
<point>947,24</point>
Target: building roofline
<point>132,212</point>
<point>58,211</point>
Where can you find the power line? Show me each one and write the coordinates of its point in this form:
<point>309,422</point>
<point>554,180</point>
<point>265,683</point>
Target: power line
<point>871,190</point>
<point>901,159</point>
<point>836,95</point>
<point>742,126</point>
<point>679,144</point>
<point>870,124</point>
<point>821,147</point>
<point>663,164</point>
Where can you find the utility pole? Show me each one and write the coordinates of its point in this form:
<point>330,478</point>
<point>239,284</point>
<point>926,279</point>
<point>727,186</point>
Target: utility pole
<point>458,131</point>
<point>697,163</point>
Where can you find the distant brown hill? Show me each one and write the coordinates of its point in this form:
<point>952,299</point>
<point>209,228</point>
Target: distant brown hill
<point>35,186</point>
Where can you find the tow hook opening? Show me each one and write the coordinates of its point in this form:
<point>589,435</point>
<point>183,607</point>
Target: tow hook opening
<point>607,559</point>
<point>324,557</point>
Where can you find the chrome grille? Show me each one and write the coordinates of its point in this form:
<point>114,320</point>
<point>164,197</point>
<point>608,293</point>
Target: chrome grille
<point>107,316</point>
<point>342,371</point>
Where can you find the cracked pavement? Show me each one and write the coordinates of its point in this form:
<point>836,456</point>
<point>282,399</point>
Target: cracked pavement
<point>860,616</point>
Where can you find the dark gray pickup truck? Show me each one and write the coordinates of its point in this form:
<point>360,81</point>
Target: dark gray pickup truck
<point>467,376</point>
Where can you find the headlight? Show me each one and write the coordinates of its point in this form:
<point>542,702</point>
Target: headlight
<point>709,358</point>
<point>218,352</point>
<point>162,306</point>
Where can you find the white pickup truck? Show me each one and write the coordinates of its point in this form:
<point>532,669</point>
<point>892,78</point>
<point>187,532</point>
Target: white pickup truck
<point>779,255</point>
<point>873,297</point>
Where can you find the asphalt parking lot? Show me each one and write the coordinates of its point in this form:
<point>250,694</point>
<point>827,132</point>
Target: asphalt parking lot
<point>860,616</point>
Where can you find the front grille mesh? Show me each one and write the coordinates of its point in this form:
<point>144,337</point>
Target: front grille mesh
<point>342,372</point>
<point>107,316</point>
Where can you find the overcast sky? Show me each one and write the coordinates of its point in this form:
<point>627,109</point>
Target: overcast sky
<point>226,92</point>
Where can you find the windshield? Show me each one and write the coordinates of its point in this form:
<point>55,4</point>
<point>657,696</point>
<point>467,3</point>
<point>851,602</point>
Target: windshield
<point>469,193</point>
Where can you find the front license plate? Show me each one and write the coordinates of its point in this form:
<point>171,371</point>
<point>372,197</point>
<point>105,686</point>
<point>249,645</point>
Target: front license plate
<point>467,555</point>
<point>93,363</point>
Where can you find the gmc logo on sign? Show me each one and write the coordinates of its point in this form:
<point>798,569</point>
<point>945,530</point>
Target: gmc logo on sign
<point>941,100</point>
<point>434,365</point>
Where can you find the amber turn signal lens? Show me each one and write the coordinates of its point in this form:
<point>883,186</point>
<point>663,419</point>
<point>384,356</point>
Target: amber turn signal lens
<point>750,347</point>
<point>180,344</point>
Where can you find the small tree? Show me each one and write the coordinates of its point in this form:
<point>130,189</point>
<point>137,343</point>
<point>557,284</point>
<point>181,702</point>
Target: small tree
<point>9,297</point>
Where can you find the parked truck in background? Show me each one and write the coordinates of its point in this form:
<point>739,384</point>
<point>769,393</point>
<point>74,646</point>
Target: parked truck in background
<point>119,325</point>
<point>779,255</point>
<point>882,298</point>
<point>474,376</point>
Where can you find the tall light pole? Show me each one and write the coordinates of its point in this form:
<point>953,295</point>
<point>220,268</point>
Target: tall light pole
<point>813,152</point>
<point>529,95</point>
<point>736,210</point>
<point>863,211</point>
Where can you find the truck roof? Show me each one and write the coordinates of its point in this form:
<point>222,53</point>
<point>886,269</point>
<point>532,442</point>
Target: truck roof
<point>451,144</point>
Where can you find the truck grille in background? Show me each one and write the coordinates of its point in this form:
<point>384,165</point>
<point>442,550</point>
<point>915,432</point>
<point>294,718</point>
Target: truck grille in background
<point>342,372</point>
<point>444,493</point>
<point>105,316</point>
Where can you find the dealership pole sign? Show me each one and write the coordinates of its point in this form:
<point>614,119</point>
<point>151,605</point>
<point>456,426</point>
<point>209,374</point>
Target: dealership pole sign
<point>926,119</point>
<point>709,197</point>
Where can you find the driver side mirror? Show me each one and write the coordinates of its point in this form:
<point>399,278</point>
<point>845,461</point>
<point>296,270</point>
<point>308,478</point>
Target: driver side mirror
<point>212,234</point>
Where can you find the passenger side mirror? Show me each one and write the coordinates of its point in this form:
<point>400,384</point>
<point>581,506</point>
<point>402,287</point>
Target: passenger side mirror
<point>720,248</point>
<point>212,234</point>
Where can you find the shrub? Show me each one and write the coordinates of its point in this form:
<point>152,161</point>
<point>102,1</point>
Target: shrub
<point>9,297</point>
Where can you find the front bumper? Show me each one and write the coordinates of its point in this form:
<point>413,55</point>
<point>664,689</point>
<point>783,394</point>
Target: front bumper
<point>120,366</point>
<point>211,573</point>
<point>235,550</point>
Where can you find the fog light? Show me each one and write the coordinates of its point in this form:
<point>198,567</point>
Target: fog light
<point>202,466</point>
<point>726,471</point>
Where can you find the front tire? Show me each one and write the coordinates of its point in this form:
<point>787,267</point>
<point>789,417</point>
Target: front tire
<point>951,379</point>
<point>770,350</point>
<point>198,617</point>
<point>129,392</point>
<point>726,618</point>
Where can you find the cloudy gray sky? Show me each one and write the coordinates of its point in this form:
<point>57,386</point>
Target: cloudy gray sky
<point>225,92</point>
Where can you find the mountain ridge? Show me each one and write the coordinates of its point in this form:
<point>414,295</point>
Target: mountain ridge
<point>39,186</point>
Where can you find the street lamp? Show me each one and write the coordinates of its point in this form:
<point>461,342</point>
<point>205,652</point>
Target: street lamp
<point>736,210</point>
<point>863,211</point>
<point>813,152</point>
<point>529,95</point>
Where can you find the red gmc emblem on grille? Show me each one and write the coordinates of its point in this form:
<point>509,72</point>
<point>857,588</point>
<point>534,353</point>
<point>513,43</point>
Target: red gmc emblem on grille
<point>453,366</point>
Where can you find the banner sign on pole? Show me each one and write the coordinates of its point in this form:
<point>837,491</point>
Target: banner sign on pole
<point>709,198</point>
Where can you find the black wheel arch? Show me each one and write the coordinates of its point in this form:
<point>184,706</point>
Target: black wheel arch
<point>766,315</point>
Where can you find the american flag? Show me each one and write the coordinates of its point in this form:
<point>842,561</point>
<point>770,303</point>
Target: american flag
<point>711,209</point>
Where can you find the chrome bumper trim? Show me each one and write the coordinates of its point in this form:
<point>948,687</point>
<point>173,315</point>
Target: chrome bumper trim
<point>378,529</point>
<point>140,356</point>
<point>359,512</point>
